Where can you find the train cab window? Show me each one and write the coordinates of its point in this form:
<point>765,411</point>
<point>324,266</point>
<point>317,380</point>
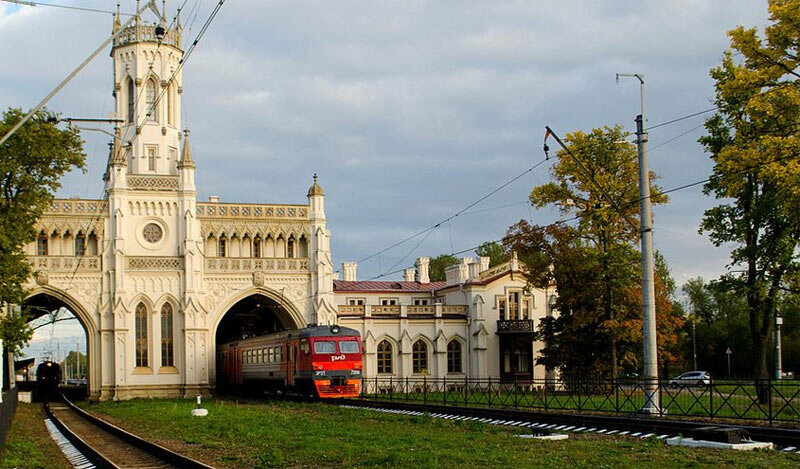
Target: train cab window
<point>304,347</point>
<point>348,346</point>
<point>324,347</point>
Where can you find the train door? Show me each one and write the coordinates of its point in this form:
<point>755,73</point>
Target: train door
<point>291,365</point>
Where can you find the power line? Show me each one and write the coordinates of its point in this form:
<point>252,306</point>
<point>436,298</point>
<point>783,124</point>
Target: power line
<point>689,116</point>
<point>66,7</point>
<point>630,202</point>
<point>460,212</point>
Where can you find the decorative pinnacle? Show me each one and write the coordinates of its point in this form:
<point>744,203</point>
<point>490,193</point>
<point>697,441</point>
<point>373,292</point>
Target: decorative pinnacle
<point>186,132</point>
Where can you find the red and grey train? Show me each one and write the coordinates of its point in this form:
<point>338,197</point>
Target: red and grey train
<point>322,361</point>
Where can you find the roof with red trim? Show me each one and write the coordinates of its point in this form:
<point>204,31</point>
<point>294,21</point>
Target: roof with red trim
<point>383,286</point>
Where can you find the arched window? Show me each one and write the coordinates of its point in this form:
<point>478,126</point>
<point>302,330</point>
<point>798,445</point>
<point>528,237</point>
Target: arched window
<point>41,244</point>
<point>150,107</point>
<point>419,357</point>
<point>171,104</point>
<point>290,247</point>
<point>141,335</point>
<point>222,245</point>
<point>384,357</point>
<point>257,246</point>
<point>131,100</point>
<point>454,357</point>
<point>80,245</point>
<point>167,352</point>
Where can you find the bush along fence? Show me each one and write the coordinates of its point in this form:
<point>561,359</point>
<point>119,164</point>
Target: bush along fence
<point>768,400</point>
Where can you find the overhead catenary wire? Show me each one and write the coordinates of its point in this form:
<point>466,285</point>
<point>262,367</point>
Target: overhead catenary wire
<point>630,202</point>
<point>66,7</point>
<point>460,212</point>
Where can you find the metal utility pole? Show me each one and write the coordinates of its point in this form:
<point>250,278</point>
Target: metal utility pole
<point>648,290</point>
<point>778,360</point>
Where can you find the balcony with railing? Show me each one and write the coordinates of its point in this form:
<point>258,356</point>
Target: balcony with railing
<point>147,33</point>
<point>512,326</point>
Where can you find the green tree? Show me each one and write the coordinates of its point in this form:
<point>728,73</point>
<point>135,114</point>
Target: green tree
<point>598,181</point>
<point>494,251</point>
<point>439,264</point>
<point>754,142</point>
<point>32,162</point>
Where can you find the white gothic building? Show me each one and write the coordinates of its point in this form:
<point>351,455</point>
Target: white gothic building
<point>158,278</point>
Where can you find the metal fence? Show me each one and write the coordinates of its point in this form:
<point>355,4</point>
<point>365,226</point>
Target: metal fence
<point>769,400</point>
<point>7,409</point>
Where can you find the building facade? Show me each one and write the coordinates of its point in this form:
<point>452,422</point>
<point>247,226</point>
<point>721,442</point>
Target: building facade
<point>158,278</point>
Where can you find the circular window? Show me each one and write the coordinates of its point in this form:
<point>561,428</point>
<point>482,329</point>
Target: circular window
<point>152,233</point>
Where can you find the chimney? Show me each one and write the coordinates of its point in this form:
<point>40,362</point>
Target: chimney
<point>408,274</point>
<point>422,264</point>
<point>336,275</point>
<point>484,263</point>
<point>349,271</point>
<point>214,199</point>
<point>474,271</point>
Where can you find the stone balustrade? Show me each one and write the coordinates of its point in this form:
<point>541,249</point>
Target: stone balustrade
<point>65,263</point>
<point>77,207</point>
<point>147,33</point>
<point>253,211</point>
<point>255,264</point>
<point>436,310</point>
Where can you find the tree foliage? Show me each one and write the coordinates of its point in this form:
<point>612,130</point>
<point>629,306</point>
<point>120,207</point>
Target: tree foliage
<point>494,251</point>
<point>754,143</point>
<point>32,162</point>
<point>597,182</point>
<point>439,264</point>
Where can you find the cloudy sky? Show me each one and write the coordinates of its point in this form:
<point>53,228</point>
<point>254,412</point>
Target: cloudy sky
<point>409,111</point>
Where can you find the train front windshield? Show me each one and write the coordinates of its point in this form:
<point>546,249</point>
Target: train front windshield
<point>329,347</point>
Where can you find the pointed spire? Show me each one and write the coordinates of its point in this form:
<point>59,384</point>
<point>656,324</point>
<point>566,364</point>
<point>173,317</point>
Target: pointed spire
<point>117,21</point>
<point>186,155</point>
<point>164,13</point>
<point>315,188</point>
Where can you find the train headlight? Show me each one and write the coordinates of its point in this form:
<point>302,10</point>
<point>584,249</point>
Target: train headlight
<point>334,329</point>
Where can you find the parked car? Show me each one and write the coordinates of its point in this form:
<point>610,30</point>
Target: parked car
<point>692,378</point>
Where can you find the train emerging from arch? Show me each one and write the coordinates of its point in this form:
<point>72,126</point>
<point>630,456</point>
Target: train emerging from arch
<point>48,377</point>
<point>320,361</point>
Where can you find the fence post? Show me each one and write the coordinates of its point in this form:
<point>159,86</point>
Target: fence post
<point>444,388</point>
<point>544,393</point>
<point>406,387</point>
<point>711,397</point>
<point>391,387</point>
<point>466,391</point>
<point>615,383</point>
<point>425,389</point>
<point>515,391</point>
<point>579,394</point>
<point>769,396</point>
<point>489,390</point>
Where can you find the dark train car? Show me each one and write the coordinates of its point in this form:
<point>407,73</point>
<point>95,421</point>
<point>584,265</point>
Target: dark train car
<point>48,377</point>
<point>323,361</point>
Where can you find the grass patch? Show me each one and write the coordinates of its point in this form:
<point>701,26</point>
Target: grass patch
<point>263,434</point>
<point>29,444</point>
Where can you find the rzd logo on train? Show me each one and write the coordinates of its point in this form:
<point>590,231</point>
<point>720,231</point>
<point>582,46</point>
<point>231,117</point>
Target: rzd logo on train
<point>335,358</point>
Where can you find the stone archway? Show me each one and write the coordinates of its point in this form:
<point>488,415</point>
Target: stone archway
<point>51,298</point>
<point>252,312</point>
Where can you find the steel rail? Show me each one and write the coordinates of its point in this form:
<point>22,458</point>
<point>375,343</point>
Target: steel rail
<point>153,449</point>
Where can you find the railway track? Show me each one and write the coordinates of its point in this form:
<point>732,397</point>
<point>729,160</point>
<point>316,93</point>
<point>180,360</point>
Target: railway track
<point>89,441</point>
<point>785,439</point>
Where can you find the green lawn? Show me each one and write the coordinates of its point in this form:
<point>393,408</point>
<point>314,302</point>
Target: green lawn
<point>29,445</point>
<point>262,434</point>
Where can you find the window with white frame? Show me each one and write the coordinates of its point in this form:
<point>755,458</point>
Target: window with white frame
<point>388,301</point>
<point>421,302</point>
<point>355,301</point>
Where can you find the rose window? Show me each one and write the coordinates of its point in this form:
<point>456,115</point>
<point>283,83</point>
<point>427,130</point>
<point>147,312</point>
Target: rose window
<point>152,233</point>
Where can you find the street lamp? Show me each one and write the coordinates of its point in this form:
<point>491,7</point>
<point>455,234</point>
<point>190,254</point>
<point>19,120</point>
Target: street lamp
<point>778,361</point>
